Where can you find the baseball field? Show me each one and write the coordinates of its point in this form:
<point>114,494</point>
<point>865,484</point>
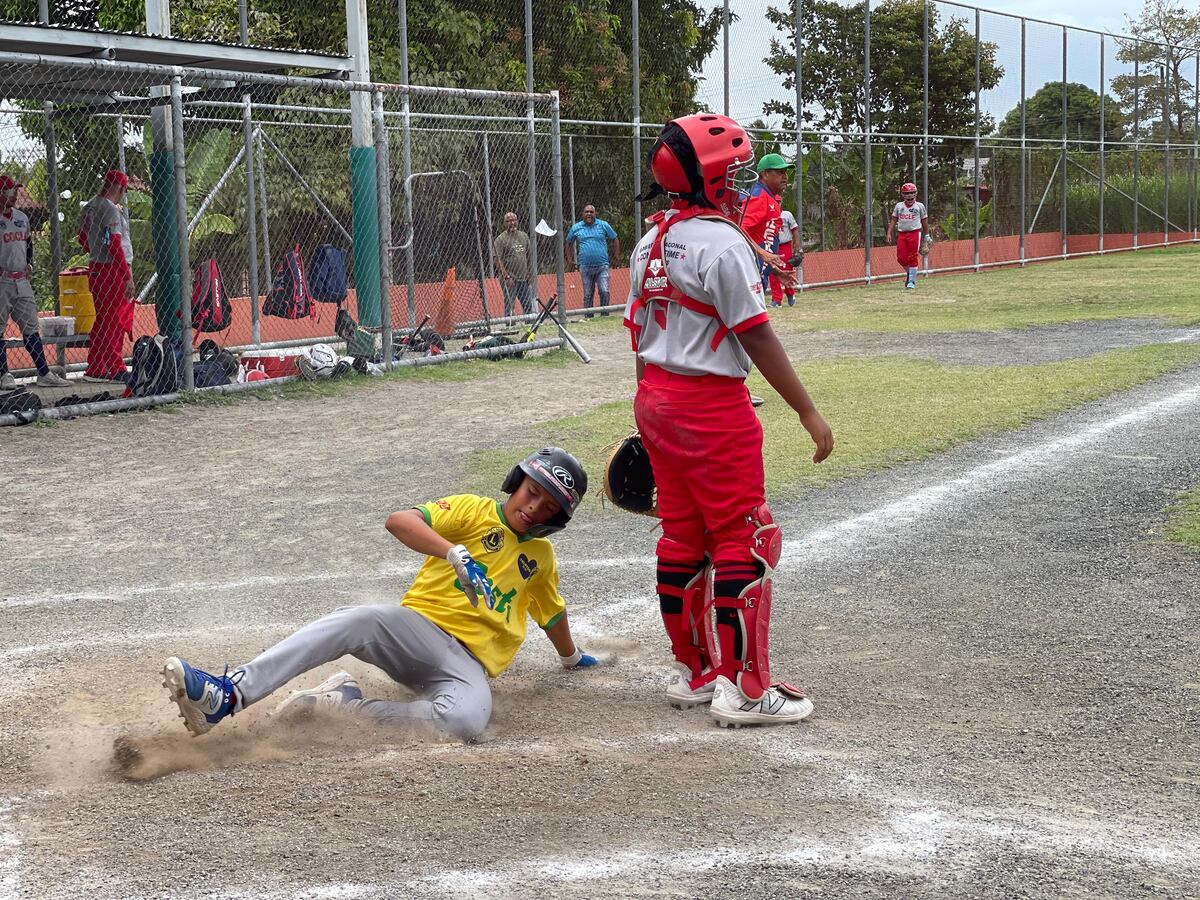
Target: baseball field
<point>989,591</point>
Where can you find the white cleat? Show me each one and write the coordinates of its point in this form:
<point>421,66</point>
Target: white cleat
<point>52,380</point>
<point>335,691</point>
<point>780,705</point>
<point>680,694</point>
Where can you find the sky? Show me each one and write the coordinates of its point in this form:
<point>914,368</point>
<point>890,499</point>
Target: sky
<point>751,82</point>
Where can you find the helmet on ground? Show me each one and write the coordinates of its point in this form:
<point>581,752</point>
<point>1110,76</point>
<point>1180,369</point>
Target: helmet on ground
<point>560,475</point>
<point>703,158</point>
<point>323,359</point>
<point>908,188</point>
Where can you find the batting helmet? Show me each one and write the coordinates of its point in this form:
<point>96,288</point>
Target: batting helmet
<point>698,158</point>
<point>908,188</point>
<point>560,475</point>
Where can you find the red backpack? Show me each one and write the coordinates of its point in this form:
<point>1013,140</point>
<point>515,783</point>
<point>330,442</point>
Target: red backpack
<point>211,309</point>
<point>289,297</point>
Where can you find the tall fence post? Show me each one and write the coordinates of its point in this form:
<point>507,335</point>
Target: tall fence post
<point>725,55</point>
<point>978,53</point>
<point>383,184</point>
<point>799,144</point>
<point>487,201</point>
<point>1062,213</point>
<point>1196,153</point>
<point>410,264</point>
<point>1166,89</point>
<point>637,123</point>
<point>571,170</point>
<point>251,219</point>
<point>53,198</point>
<point>868,192</point>
<point>181,222</point>
<point>1022,166</point>
<point>1100,196</point>
<point>531,161</point>
<point>925,111</point>
<point>560,261</point>
<point>1137,136</point>
<point>262,200</point>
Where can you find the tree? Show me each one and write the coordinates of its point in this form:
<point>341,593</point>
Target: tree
<point>1163,54</point>
<point>1044,115</point>
<point>832,47</point>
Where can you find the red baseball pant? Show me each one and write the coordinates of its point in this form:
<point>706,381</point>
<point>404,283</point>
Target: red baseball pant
<point>908,246</point>
<point>114,319</point>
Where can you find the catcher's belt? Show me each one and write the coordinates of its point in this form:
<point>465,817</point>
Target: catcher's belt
<point>629,479</point>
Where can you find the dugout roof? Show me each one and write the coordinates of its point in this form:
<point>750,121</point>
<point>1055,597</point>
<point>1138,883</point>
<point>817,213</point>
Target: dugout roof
<point>66,85</point>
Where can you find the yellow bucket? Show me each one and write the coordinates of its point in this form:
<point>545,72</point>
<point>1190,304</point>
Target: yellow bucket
<point>74,299</point>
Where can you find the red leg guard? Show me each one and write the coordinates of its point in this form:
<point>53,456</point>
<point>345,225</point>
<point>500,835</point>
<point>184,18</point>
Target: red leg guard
<point>741,624</point>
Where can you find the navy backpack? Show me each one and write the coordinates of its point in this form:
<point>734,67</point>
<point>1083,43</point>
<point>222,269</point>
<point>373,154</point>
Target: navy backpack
<point>327,274</point>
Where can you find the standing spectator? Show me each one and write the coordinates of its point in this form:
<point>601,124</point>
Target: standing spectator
<point>762,220</point>
<point>910,224</point>
<point>592,236</point>
<point>511,250</point>
<point>110,279</point>
<point>16,293</point>
<point>789,237</point>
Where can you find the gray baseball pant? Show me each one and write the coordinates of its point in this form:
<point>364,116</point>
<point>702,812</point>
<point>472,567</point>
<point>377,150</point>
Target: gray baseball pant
<point>407,646</point>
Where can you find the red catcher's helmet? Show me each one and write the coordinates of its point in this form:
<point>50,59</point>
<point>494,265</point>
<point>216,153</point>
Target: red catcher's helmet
<point>699,158</point>
<point>908,188</point>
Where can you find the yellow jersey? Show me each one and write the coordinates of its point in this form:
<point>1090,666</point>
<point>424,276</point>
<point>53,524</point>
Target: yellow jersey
<point>521,570</point>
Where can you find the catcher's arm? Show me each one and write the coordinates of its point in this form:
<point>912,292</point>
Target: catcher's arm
<point>762,345</point>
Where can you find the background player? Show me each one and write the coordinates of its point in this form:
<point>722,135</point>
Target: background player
<point>697,319</point>
<point>110,279</point>
<point>910,221</point>
<point>789,243</point>
<point>762,220</point>
<point>16,293</point>
<point>489,564</point>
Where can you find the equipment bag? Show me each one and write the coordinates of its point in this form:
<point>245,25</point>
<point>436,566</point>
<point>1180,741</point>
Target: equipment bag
<point>327,274</point>
<point>157,365</point>
<point>211,309</point>
<point>22,403</point>
<point>215,367</point>
<point>289,297</point>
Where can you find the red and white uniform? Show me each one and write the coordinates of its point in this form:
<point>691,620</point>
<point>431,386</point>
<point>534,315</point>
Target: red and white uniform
<point>694,289</point>
<point>102,234</point>
<point>909,222</point>
<point>787,223</point>
<point>16,254</point>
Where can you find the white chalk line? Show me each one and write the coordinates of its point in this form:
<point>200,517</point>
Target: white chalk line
<point>137,637</point>
<point>10,853</point>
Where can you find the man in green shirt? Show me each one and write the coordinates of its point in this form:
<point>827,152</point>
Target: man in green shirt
<point>511,249</point>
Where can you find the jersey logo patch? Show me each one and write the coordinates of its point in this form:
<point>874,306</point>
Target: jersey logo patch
<point>442,504</point>
<point>656,266</point>
<point>526,566</point>
<point>494,539</point>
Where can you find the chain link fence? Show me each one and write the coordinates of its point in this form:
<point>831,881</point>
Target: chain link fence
<point>263,214</point>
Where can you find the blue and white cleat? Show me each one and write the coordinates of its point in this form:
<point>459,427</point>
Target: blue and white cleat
<point>203,699</point>
<point>332,693</point>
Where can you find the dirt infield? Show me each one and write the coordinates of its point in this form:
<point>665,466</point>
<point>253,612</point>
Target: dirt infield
<point>1000,646</point>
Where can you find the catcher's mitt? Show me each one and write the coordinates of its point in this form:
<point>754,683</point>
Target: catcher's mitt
<point>926,244</point>
<point>628,478</point>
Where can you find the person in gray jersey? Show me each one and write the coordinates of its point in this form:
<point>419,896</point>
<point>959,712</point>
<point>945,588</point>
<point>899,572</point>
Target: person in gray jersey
<point>16,292</point>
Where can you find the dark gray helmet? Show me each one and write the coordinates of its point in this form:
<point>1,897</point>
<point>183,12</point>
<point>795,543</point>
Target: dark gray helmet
<point>562,477</point>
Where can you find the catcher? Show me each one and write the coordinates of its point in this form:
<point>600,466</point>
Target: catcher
<point>488,565</point>
<point>698,321</point>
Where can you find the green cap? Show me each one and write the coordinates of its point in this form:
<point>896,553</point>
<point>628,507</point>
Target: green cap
<point>773,161</point>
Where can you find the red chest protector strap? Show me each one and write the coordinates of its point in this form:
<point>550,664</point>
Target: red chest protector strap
<point>656,288</point>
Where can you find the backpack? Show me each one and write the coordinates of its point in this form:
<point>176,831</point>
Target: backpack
<point>157,366</point>
<point>22,403</point>
<point>289,297</point>
<point>327,274</point>
<point>211,309</point>
<point>215,367</point>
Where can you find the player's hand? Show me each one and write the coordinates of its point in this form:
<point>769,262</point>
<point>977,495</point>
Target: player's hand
<point>818,429</point>
<point>129,290</point>
<point>29,271</point>
<point>470,575</point>
<point>775,261</point>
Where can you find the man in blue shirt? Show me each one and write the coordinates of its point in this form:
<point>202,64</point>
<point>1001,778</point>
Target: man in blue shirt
<point>591,254</point>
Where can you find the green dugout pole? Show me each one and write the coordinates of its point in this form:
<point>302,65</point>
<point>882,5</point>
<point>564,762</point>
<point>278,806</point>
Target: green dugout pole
<point>163,222</point>
<point>364,202</point>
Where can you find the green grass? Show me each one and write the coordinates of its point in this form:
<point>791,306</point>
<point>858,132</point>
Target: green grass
<point>1149,283</point>
<point>884,412</point>
<point>1183,526</point>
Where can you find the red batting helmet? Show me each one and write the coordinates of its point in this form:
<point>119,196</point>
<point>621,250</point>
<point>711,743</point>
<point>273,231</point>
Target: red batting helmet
<point>698,158</point>
<point>908,188</point>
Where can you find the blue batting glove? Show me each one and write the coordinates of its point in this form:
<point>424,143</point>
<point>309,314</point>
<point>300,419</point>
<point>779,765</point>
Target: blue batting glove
<point>471,575</point>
